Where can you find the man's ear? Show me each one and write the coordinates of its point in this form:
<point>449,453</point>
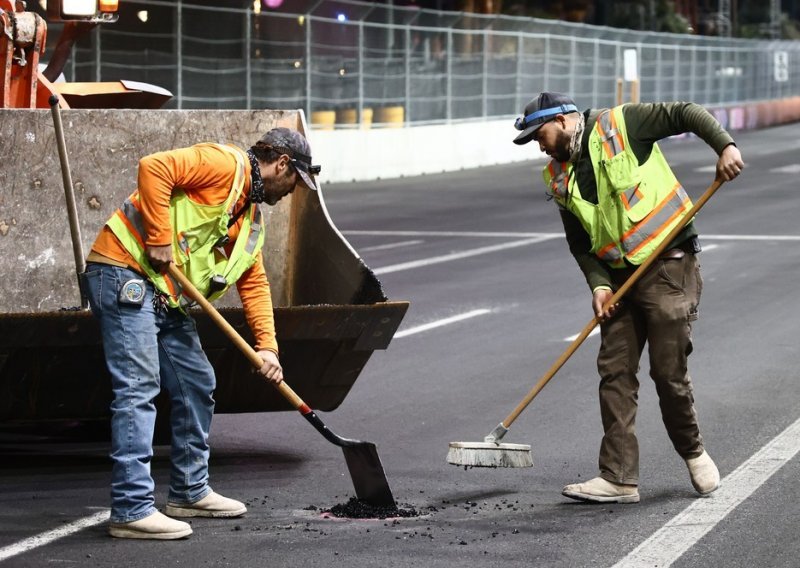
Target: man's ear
<point>284,160</point>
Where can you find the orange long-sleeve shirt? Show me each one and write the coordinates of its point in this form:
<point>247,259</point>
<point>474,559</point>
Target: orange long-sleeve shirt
<point>205,173</point>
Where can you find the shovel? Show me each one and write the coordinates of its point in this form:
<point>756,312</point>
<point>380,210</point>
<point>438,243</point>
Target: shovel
<point>362,458</point>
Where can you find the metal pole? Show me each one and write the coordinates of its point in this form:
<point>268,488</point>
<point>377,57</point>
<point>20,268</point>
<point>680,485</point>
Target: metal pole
<point>709,76</point>
<point>519,98</point>
<point>676,75</point>
<point>692,73</point>
<point>775,19</point>
<point>407,104</point>
<point>573,58</point>
<point>308,22</point>
<point>69,195</point>
<point>360,117</point>
<point>97,59</point>
<point>618,74</point>
<point>658,73</point>
<point>179,50</point>
<point>247,59</point>
<point>596,68</point>
<point>546,74</point>
<point>449,77</point>
<point>485,81</point>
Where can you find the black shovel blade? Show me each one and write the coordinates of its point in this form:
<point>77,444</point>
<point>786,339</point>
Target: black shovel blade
<point>367,473</point>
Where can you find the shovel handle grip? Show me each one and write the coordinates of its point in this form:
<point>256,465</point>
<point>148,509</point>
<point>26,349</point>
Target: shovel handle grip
<point>251,354</point>
<point>614,299</point>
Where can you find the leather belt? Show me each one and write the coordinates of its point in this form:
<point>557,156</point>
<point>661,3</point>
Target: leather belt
<point>673,253</point>
<point>94,256</point>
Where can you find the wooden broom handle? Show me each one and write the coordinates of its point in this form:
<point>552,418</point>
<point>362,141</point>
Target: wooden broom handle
<point>254,358</point>
<point>614,299</point>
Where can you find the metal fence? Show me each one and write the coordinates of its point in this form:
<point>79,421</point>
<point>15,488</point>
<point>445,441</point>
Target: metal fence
<point>348,63</point>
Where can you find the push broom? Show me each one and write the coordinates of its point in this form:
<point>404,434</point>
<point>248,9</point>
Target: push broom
<point>492,453</point>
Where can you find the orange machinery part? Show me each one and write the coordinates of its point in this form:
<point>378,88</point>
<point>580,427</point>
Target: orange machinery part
<point>22,42</point>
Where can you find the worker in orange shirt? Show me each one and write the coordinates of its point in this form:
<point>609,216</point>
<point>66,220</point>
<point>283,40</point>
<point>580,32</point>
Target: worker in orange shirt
<point>197,207</point>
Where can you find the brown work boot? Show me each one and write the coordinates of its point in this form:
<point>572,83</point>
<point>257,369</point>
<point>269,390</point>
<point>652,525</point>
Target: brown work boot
<point>599,490</point>
<point>704,473</point>
<point>155,526</point>
<point>212,505</point>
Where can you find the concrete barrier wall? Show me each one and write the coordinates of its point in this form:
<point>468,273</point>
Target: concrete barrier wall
<point>385,153</point>
<point>307,260</point>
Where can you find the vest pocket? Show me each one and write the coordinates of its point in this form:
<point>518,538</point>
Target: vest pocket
<point>622,171</point>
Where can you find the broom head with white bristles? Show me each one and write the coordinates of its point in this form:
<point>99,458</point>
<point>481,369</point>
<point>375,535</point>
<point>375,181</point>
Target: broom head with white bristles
<point>489,454</point>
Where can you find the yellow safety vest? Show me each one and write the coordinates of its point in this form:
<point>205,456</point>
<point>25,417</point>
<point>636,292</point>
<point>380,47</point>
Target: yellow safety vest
<point>637,206</point>
<point>199,232</point>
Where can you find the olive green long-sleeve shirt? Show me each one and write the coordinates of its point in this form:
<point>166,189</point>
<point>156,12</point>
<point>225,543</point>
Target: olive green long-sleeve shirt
<point>646,124</point>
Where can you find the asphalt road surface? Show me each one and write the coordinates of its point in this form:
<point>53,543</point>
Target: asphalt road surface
<point>494,296</point>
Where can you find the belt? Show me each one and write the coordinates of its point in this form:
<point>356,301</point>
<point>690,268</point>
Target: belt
<point>689,246</point>
<point>94,256</point>
<point>673,253</point>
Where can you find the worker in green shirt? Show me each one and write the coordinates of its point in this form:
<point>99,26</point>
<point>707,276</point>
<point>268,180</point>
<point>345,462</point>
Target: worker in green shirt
<point>618,200</point>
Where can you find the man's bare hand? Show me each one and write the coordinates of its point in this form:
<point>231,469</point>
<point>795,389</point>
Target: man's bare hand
<point>730,163</point>
<point>271,369</point>
<point>599,299</point>
<point>160,257</point>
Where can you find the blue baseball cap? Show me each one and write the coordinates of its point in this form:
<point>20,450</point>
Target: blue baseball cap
<point>540,110</point>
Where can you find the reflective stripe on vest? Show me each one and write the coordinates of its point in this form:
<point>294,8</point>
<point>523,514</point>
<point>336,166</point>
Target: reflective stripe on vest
<point>559,180</point>
<point>626,224</point>
<point>613,144</point>
<point>657,221</point>
<point>131,217</point>
<point>127,223</point>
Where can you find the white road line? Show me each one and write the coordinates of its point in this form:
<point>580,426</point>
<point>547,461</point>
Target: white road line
<point>451,234</point>
<point>47,537</point>
<point>595,331</point>
<point>707,248</point>
<point>391,245</point>
<point>667,544</point>
<point>441,322</point>
<point>790,169</point>
<point>456,256</point>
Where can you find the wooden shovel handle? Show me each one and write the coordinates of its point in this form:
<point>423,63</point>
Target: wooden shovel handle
<point>251,354</point>
<point>614,299</point>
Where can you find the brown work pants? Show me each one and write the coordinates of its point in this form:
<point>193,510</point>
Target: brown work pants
<point>657,310</point>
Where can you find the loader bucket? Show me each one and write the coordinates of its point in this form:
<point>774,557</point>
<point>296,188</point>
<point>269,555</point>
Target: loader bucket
<point>331,311</point>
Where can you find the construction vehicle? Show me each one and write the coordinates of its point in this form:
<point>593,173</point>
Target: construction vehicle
<point>331,311</point>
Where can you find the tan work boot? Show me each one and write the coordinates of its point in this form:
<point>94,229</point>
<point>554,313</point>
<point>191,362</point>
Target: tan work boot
<point>212,505</point>
<point>599,490</point>
<point>155,526</point>
<point>704,473</point>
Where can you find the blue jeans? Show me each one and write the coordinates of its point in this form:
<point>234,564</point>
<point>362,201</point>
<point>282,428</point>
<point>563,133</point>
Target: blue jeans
<point>146,350</point>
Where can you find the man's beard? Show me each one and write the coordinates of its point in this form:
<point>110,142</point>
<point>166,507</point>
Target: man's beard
<point>564,147</point>
<point>569,144</point>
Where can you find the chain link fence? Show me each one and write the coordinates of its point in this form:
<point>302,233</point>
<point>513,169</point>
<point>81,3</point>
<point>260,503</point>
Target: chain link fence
<point>351,64</point>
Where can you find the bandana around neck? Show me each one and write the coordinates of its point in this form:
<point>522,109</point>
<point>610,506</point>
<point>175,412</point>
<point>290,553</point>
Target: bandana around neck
<point>577,139</point>
<point>256,183</point>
